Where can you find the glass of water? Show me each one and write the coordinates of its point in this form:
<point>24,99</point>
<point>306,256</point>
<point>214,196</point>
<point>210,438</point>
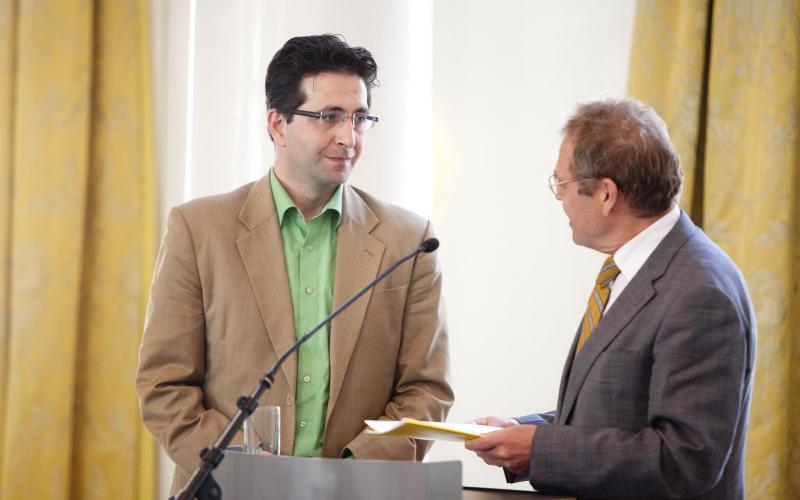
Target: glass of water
<point>262,431</point>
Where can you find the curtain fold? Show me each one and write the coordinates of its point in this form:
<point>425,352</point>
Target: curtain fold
<point>667,66</point>
<point>7,37</point>
<point>744,121</point>
<point>77,233</point>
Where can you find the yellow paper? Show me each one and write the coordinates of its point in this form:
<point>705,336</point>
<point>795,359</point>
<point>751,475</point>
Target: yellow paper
<point>433,431</point>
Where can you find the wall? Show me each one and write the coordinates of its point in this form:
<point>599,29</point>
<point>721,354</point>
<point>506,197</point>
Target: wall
<point>506,75</point>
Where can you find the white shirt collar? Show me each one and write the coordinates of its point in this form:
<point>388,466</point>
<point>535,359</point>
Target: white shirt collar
<point>632,255</point>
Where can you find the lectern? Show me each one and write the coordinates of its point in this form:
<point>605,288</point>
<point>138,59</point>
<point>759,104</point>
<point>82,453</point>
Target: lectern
<point>244,476</point>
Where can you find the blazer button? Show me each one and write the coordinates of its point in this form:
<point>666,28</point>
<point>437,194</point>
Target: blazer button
<point>290,400</point>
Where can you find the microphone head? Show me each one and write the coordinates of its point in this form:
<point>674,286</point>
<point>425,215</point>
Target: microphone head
<point>429,245</point>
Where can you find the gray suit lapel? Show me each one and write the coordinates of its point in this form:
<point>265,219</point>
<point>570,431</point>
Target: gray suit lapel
<point>562,389</point>
<point>262,254</point>
<point>633,299</point>
<point>358,260</point>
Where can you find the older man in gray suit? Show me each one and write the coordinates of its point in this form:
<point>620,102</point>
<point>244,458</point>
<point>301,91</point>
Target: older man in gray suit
<point>655,393</point>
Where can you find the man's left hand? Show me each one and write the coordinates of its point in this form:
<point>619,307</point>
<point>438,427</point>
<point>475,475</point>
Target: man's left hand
<point>509,447</point>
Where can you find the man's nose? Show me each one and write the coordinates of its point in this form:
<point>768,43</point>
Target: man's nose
<point>346,133</point>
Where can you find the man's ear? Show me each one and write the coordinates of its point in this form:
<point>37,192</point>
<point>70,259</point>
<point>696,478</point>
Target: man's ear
<point>276,126</point>
<point>610,195</point>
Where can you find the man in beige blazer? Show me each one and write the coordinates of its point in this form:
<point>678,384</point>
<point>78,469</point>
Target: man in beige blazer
<point>222,305</point>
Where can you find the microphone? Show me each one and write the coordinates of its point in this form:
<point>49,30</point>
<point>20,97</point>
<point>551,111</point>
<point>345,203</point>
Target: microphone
<point>429,245</point>
<point>201,484</point>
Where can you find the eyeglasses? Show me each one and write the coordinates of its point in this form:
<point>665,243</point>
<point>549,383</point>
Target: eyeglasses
<point>329,118</point>
<point>555,185</point>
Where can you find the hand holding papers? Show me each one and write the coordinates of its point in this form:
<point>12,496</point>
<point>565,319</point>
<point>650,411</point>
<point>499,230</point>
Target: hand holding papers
<point>434,431</point>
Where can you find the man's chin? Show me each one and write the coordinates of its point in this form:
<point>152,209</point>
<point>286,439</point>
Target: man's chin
<point>339,174</point>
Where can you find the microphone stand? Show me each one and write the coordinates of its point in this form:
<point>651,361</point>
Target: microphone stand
<point>201,484</point>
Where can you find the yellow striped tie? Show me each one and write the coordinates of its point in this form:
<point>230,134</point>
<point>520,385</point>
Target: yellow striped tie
<point>598,300</point>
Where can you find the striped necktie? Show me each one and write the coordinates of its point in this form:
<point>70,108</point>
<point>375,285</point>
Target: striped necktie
<point>598,300</point>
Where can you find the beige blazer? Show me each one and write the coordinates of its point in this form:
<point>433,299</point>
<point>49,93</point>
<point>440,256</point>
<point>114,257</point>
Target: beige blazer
<point>220,313</point>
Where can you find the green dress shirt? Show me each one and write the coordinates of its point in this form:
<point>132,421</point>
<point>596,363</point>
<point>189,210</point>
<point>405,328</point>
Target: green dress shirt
<point>309,248</point>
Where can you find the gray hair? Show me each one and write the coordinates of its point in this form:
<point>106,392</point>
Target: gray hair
<point>626,141</point>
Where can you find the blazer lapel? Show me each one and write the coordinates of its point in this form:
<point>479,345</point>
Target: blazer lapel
<point>635,296</point>
<point>358,260</point>
<point>632,300</point>
<point>262,253</point>
<point>562,389</point>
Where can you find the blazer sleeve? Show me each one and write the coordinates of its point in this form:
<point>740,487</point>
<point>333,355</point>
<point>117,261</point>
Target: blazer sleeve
<point>698,387</point>
<point>169,379</point>
<point>537,418</point>
<point>422,388</point>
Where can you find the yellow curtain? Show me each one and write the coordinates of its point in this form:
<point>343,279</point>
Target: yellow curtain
<point>77,231</point>
<point>725,75</point>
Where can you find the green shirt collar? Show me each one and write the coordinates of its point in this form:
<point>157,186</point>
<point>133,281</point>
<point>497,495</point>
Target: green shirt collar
<point>284,202</point>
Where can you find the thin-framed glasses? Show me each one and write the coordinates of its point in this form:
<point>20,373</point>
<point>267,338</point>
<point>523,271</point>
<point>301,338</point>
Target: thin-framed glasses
<point>329,118</point>
<point>555,185</point>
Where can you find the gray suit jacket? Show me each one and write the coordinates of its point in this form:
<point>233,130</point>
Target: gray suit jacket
<point>656,403</point>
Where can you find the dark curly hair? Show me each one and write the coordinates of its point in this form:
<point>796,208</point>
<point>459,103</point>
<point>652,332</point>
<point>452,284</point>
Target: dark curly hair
<point>304,56</point>
<point>626,141</point>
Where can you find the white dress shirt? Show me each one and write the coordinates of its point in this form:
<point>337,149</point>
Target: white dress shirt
<point>632,255</point>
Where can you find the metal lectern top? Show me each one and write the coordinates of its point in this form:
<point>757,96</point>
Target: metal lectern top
<point>244,476</point>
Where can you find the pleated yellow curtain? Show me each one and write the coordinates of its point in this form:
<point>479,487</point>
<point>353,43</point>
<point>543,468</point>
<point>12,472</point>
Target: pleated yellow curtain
<point>77,230</point>
<point>725,75</point>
